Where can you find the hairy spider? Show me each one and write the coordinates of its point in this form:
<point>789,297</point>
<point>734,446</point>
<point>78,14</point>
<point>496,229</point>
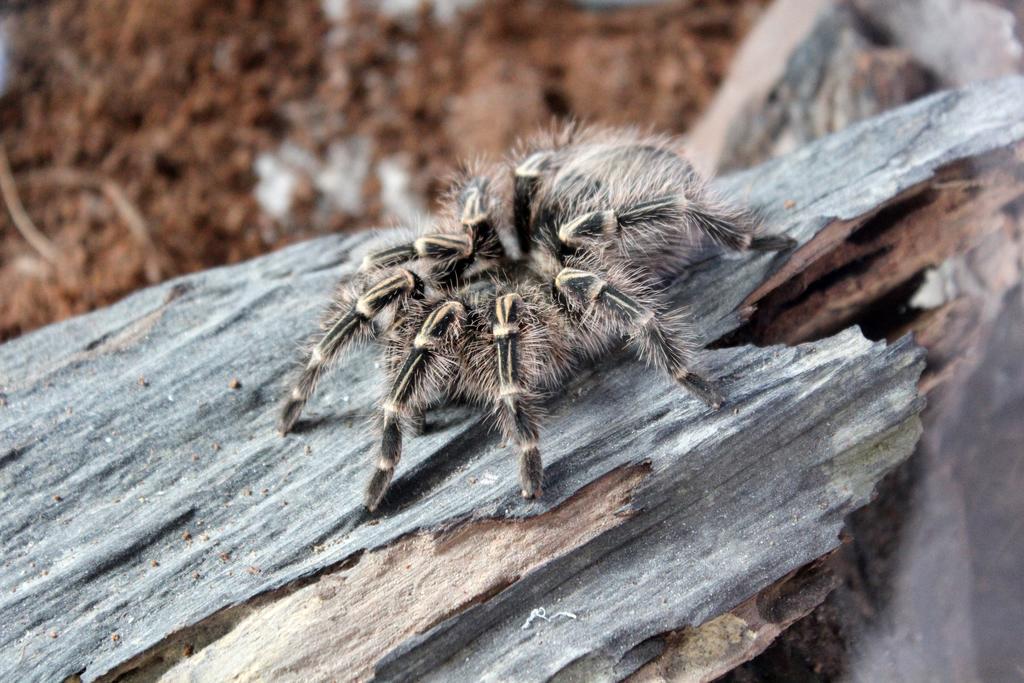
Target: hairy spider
<point>595,224</point>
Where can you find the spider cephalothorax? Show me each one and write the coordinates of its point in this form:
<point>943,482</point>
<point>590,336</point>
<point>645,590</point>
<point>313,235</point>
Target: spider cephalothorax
<point>595,223</point>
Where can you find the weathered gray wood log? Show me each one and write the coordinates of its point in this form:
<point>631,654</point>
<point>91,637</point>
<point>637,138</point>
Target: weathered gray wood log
<point>754,70</point>
<point>959,41</point>
<point>153,523</point>
<point>860,58</point>
<point>835,77</point>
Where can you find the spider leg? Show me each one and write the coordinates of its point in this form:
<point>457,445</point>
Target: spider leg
<point>527,177</point>
<point>730,227</point>
<point>340,328</point>
<point>429,354</point>
<point>390,256</point>
<point>724,226</point>
<point>475,213</point>
<point>446,249</point>
<point>647,331</point>
<point>452,251</point>
<point>517,412</point>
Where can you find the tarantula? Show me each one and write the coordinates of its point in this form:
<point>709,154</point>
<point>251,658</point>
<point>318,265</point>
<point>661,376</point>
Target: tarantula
<point>529,273</point>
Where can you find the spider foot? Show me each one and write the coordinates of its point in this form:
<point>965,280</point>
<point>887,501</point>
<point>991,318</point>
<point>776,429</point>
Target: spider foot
<point>289,415</point>
<point>702,389</point>
<point>531,472</point>
<point>772,243</point>
<point>379,483</point>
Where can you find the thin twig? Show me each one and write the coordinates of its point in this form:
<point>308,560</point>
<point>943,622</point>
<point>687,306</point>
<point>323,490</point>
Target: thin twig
<point>113,192</point>
<point>37,240</point>
<point>118,198</point>
<point>129,214</point>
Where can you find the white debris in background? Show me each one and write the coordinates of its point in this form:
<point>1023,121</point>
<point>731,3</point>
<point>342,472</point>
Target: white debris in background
<point>337,13</point>
<point>938,288</point>
<point>335,10</point>
<point>278,175</point>
<point>396,192</point>
<point>275,186</point>
<point>444,10</point>
<point>341,178</point>
<point>406,10</point>
<point>616,4</point>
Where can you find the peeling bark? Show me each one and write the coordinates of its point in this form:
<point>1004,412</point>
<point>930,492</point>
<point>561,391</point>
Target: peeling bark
<point>704,653</point>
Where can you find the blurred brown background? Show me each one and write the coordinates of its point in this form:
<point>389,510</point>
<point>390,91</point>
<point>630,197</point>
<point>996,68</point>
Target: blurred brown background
<point>148,139</point>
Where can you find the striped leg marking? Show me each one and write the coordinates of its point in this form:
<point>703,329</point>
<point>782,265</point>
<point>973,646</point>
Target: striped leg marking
<point>527,177</point>
<point>392,256</point>
<point>588,228</point>
<point>440,246</point>
<point>516,412</point>
<point>341,330</point>
<point>475,217</point>
<point>608,225</point>
<point>646,331</point>
<point>443,323</point>
<point>734,231</point>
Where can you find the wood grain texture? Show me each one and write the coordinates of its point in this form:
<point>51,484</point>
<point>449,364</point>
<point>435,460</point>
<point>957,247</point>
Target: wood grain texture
<point>141,497</point>
<point>961,41</point>
<point>834,77</point>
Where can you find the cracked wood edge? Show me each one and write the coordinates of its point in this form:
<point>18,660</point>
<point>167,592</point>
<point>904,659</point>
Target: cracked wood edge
<point>855,262</point>
<point>357,613</point>
<point>707,651</point>
<point>629,586</point>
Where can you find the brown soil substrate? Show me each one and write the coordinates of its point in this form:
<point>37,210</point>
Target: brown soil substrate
<point>132,128</point>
